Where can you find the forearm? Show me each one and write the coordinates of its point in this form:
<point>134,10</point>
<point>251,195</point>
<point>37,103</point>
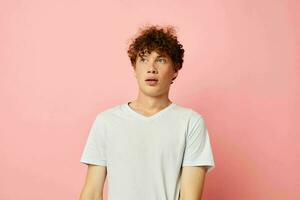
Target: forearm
<point>190,198</point>
<point>88,195</point>
<point>90,198</point>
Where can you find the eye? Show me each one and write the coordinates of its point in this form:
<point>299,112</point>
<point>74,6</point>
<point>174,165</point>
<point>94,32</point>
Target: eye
<point>162,60</point>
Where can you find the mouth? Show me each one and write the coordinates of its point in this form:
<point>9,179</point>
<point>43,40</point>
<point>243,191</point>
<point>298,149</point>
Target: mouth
<point>151,81</point>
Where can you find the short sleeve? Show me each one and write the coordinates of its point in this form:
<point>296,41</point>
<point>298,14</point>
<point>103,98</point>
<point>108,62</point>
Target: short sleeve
<point>94,151</point>
<point>198,151</point>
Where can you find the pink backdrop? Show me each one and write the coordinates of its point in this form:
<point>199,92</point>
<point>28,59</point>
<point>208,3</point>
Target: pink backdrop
<point>62,61</point>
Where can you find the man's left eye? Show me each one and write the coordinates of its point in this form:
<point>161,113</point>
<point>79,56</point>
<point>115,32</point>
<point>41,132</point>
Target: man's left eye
<point>163,60</point>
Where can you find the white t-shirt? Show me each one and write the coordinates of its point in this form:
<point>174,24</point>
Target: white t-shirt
<point>144,155</point>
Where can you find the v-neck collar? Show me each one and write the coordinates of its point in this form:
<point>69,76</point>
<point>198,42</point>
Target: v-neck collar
<point>144,117</point>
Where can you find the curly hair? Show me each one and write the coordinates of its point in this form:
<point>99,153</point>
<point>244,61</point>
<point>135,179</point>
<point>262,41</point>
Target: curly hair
<point>160,39</point>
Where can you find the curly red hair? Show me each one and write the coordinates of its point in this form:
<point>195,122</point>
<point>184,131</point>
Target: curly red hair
<point>160,39</point>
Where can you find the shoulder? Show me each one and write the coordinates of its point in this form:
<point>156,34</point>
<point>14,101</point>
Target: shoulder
<point>192,113</point>
<point>109,112</point>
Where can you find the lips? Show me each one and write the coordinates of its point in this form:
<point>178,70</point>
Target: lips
<point>151,79</point>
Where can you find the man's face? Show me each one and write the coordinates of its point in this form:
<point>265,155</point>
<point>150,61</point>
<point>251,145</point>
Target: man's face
<point>156,66</point>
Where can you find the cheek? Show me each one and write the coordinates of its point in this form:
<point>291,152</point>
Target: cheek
<point>168,73</point>
<point>137,72</point>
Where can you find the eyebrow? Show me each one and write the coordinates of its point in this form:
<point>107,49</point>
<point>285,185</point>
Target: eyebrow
<point>159,56</point>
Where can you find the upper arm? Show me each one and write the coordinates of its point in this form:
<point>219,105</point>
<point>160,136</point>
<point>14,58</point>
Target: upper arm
<point>192,182</point>
<point>94,155</point>
<point>94,182</point>
<point>198,159</point>
<point>198,150</point>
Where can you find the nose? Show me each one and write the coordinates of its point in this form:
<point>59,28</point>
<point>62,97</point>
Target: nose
<point>152,71</point>
<point>152,68</point>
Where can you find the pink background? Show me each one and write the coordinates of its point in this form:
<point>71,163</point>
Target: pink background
<point>62,61</point>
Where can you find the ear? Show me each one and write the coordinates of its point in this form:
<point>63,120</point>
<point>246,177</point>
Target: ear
<point>134,71</point>
<point>175,75</point>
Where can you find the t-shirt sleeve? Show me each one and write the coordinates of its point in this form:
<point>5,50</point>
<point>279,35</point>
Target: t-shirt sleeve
<point>198,151</point>
<point>94,151</point>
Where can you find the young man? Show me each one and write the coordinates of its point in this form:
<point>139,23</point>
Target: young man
<point>149,148</point>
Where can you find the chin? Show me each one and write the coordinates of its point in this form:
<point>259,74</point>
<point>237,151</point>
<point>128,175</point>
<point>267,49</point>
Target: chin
<point>149,92</point>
